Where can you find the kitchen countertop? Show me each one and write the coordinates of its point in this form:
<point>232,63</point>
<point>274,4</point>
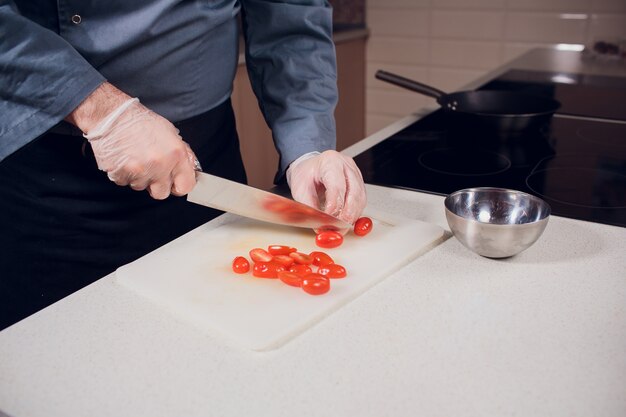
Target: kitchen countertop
<point>452,333</point>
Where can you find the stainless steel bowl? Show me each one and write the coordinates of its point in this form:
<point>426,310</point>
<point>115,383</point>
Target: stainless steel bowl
<point>496,222</point>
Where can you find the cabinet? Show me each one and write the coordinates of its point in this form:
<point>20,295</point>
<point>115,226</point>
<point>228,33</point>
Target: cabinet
<point>257,149</point>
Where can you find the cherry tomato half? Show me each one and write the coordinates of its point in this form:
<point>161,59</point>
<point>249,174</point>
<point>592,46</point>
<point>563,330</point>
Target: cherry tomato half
<point>280,250</point>
<point>363,226</point>
<point>260,255</point>
<point>301,258</point>
<point>284,260</point>
<point>267,269</point>
<point>315,284</point>
<point>332,271</point>
<point>321,258</point>
<point>290,278</point>
<point>328,239</point>
<point>241,265</point>
<point>301,270</point>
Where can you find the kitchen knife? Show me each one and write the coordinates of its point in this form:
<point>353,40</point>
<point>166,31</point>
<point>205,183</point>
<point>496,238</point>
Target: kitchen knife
<point>233,197</point>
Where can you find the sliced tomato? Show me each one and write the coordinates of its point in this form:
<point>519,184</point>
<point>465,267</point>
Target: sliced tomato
<point>315,284</point>
<point>321,258</point>
<point>332,271</point>
<point>328,239</point>
<point>363,226</point>
<point>290,278</point>
<point>266,269</point>
<point>260,255</point>
<point>241,265</point>
<point>280,250</point>
<point>284,260</point>
<point>301,258</point>
<point>301,270</point>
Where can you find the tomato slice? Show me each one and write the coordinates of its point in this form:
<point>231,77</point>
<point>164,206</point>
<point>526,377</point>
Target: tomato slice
<point>260,255</point>
<point>301,270</point>
<point>284,260</point>
<point>241,265</point>
<point>315,284</point>
<point>321,258</point>
<point>301,258</point>
<point>280,250</point>
<point>290,278</point>
<point>363,226</point>
<point>332,271</point>
<point>328,239</point>
<point>267,269</point>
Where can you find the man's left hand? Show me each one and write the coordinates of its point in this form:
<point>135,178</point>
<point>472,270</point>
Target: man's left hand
<point>331,182</point>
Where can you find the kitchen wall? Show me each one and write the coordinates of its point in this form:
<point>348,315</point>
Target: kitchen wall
<point>348,14</point>
<point>449,43</point>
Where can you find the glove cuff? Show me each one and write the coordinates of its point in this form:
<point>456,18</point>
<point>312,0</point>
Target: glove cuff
<point>106,123</point>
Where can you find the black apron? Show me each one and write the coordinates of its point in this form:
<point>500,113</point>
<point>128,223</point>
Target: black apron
<point>63,224</point>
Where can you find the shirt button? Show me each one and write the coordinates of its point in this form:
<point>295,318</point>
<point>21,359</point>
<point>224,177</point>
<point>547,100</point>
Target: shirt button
<point>76,19</point>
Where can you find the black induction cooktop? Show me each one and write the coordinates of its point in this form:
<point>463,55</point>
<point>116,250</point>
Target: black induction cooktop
<point>576,163</point>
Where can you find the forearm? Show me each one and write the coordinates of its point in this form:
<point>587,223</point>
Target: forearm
<point>96,107</point>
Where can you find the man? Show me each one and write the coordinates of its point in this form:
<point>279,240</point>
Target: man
<point>89,93</point>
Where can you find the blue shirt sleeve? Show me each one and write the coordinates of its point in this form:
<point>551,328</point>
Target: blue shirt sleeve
<point>42,79</point>
<point>291,63</point>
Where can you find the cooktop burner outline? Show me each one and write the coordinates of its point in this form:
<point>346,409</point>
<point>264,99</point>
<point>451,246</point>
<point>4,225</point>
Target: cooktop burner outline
<point>570,173</point>
<point>456,155</point>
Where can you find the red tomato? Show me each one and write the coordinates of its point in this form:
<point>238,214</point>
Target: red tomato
<point>315,284</point>
<point>284,260</point>
<point>301,258</point>
<point>241,265</point>
<point>260,255</point>
<point>332,271</point>
<point>328,239</point>
<point>280,250</point>
<point>321,258</point>
<point>301,270</point>
<point>266,270</point>
<point>363,226</point>
<point>290,278</point>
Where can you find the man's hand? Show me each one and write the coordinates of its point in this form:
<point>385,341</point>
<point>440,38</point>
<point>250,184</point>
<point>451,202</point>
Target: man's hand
<point>134,145</point>
<point>329,181</point>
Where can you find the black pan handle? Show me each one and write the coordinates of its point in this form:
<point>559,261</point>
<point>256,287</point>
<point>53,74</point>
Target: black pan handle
<point>410,84</point>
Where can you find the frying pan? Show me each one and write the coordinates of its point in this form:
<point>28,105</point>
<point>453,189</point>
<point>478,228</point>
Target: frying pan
<point>501,110</point>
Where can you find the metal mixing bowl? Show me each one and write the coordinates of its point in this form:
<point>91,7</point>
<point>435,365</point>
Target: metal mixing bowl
<point>496,222</point>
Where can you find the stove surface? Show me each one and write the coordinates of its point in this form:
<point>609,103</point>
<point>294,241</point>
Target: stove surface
<point>577,162</point>
<point>578,166</point>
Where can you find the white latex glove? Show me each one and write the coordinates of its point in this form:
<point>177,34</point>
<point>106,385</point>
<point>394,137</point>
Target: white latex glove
<point>137,147</point>
<point>329,181</point>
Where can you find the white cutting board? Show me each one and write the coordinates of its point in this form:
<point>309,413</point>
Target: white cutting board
<point>192,278</point>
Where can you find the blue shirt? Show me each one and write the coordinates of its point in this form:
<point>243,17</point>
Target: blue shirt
<point>178,57</point>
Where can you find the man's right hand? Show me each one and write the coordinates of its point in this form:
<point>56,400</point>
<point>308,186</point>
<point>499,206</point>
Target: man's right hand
<point>136,147</point>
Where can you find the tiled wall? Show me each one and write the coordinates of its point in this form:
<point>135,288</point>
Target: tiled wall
<point>449,43</point>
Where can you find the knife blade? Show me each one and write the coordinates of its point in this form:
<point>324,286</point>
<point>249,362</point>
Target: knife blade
<point>233,197</point>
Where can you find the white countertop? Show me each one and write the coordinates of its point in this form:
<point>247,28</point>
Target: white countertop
<point>539,334</point>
